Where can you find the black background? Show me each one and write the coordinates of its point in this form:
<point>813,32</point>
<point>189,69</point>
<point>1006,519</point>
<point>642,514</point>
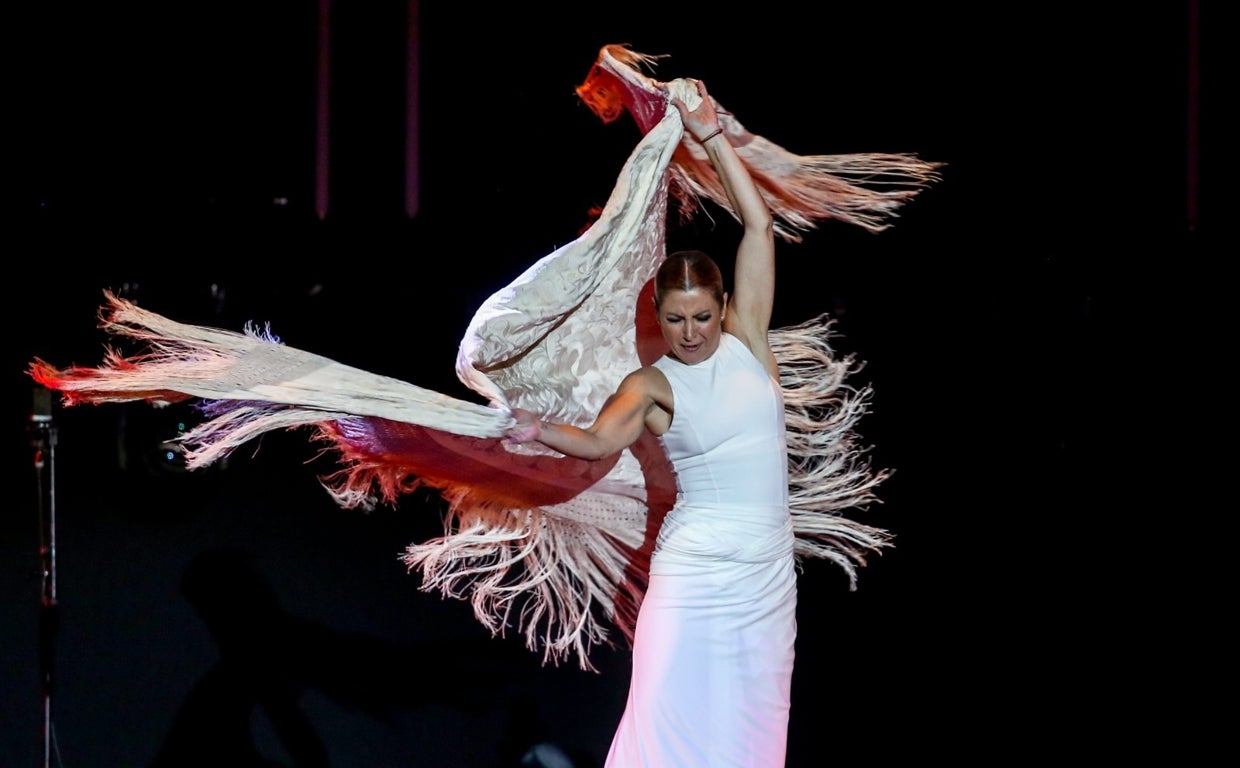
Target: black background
<point>1027,326</point>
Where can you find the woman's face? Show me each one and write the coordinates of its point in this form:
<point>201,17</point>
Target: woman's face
<point>692,324</point>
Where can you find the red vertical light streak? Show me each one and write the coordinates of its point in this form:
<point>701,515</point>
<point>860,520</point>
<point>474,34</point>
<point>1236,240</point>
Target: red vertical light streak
<point>1191,177</point>
<point>322,128</point>
<point>412,146</point>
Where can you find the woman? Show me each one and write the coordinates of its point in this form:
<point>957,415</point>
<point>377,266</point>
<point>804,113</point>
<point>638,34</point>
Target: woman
<point>713,649</point>
<point>556,546</point>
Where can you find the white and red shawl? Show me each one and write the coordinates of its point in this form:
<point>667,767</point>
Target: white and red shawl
<point>553,547</point>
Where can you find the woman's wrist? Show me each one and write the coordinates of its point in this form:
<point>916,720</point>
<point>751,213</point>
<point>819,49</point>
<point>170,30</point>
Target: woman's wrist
<point>711,135</point>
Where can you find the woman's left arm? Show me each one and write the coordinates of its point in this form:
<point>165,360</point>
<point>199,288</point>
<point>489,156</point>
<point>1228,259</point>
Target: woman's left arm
<point>753,294</point>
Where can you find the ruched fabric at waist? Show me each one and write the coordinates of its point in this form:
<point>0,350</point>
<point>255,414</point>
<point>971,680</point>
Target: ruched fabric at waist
<point>701,533</point>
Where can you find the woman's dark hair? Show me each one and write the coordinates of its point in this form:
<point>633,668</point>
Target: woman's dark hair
<point>685,271</point>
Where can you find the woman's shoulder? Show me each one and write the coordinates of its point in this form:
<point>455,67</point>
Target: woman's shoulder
<point>647,376</point>
<point>650,382</point>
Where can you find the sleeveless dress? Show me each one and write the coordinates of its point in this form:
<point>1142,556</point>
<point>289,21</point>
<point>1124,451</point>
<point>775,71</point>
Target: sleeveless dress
<point>713,650</point>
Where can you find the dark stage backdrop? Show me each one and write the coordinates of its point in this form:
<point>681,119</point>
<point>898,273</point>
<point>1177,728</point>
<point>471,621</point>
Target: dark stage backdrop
<point>177,154</point>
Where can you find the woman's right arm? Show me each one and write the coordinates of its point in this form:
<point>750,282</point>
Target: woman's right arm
<point>619,424</point>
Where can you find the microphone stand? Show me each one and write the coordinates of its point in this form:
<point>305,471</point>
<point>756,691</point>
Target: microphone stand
<point>43,442</point>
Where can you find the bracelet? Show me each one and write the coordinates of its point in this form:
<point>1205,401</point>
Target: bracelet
<point>711,135</point>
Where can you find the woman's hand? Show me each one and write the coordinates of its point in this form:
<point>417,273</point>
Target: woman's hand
<point>525,428</point>
<point>702,121</point>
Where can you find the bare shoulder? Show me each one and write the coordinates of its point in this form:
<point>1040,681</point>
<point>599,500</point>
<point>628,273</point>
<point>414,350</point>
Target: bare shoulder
<point>650,382</point>
<point>656,390</point>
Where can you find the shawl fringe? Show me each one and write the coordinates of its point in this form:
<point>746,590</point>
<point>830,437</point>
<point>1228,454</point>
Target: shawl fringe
<point>829,470</point>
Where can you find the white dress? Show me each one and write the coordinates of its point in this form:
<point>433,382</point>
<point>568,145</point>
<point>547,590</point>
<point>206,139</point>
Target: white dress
<point>713,651</point>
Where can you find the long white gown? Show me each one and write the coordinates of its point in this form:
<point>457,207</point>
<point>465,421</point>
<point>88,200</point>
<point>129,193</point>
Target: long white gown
<point>713,652</point>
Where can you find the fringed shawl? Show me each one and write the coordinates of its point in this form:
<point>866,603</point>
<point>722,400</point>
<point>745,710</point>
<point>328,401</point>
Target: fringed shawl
<point>865,189</point>
<point>550,546</point>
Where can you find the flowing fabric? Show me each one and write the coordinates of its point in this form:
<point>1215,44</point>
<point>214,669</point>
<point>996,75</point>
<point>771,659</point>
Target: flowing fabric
<point>553,547</point>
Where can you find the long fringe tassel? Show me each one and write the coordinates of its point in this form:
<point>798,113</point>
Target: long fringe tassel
<point>564,575</point>
<point>829,472</point>
<point>518,570</point>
